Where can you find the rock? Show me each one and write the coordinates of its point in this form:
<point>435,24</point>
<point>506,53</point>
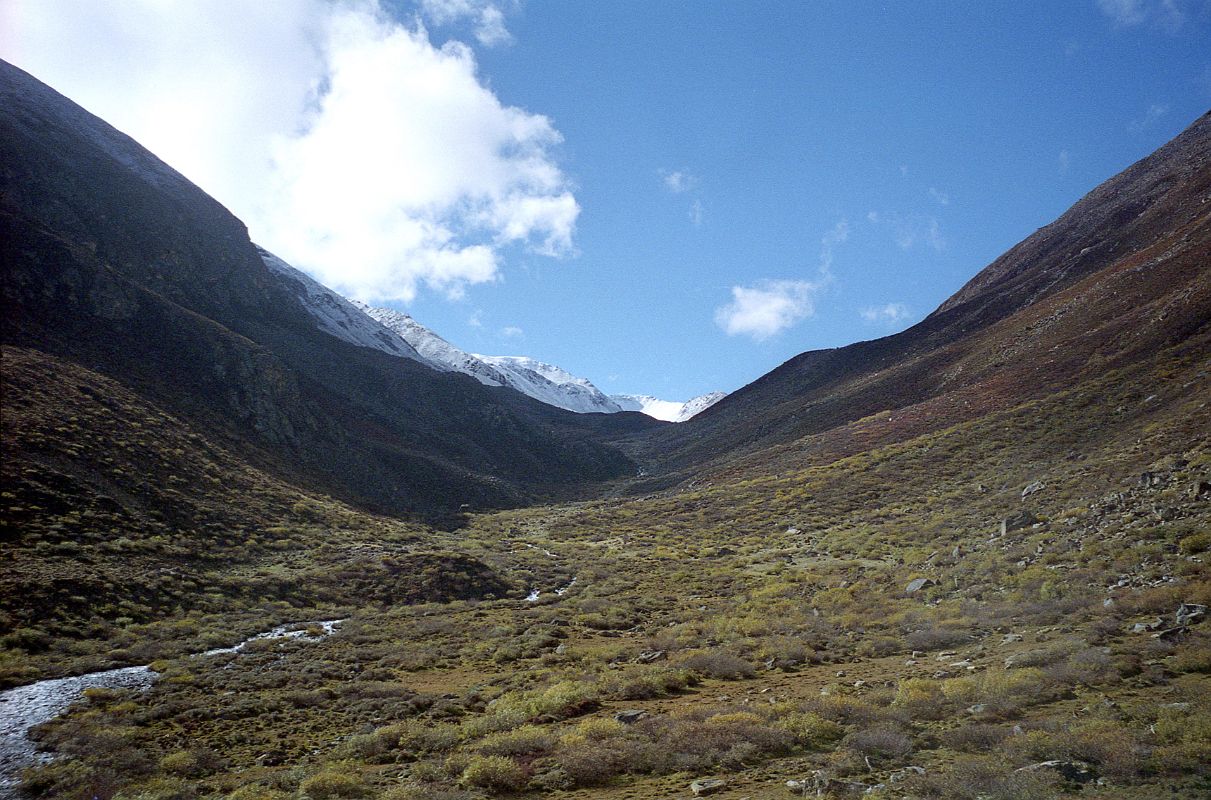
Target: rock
<point>630,716</point>
<point>1144,627</point>
<point>648,656</point>
<point>561,650</point>
<point>1033,488</point>
<point>977,709</point>
<point>1200,489</point>
<point>1189,613</point>
<point>1149,479</point>
<point>919,584</point>
<point>706,786</point>
<point>1170,633</point>
<point>1014,522</point>
<point>1011,637</point>
<point>904,774</point>
<point>1075,771</point>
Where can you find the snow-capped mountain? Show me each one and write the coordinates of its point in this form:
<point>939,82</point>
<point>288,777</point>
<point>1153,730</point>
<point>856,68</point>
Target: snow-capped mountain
<point>667,410</point>
<point>397,333</point>
<point>340,317</point>
<point>550,384</point>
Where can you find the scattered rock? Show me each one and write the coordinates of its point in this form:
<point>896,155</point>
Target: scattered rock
<point>904,774</point>
<point>1075,771</point>
<point>1011,637</point>
<point>648,656</point>
<point>1170,633</point>
<point>1189,613</point>
<point>1144,627</point>
<point>919,584</point>
<point>1033,488</point>
<point>630,716</point>
<point>706,786</point>
<point>977,709</point>
<point>1014,522</point>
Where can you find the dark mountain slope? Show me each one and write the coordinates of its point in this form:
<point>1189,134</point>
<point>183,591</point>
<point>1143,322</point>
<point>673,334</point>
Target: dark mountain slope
<point>114,261</point>
<point>1125,272</point>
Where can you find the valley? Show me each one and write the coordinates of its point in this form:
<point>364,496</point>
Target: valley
<point>969,560</point>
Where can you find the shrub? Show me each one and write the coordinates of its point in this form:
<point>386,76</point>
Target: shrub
<point>332,784</point>
<point>921,698</point>
<point>719,664</point>
<point>883,741</point>
<point>812,730</point>
<point>982,778</point>
<point>522,741</point>
<point>494,774</point>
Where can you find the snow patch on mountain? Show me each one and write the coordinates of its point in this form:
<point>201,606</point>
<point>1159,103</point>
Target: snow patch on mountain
<point>550,384</point>
<point>340,317</point>
<point>667,410</point>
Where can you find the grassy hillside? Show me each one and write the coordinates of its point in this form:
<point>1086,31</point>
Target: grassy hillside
<point>765,628</point>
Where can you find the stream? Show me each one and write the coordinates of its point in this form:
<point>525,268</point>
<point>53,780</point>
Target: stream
<point>23,707</point>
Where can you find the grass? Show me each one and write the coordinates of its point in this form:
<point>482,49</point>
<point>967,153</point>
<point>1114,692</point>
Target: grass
<point>761,622</point>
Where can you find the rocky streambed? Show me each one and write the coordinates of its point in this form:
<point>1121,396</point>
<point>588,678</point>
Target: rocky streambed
<point>24,707</point>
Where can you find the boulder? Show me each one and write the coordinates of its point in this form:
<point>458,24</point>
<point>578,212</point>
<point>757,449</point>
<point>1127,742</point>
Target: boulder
<point>706,786</point>
<point>649,656</point>
<point>1033,488</point>
<point>919,584</point>
<point>1075,771</point>
<point>1144,627</point>
<point>1189,613</point>
<point>1014,522</point>
<point>630,716</point>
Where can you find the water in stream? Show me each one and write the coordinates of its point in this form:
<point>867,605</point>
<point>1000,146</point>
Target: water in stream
<point>23,707</point>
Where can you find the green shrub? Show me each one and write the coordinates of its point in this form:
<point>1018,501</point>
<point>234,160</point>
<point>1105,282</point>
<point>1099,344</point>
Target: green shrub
<point>494,773</point>
<point>334,784</point>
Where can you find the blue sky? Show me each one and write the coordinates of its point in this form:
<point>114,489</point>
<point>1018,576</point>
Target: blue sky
<point>690,193</point>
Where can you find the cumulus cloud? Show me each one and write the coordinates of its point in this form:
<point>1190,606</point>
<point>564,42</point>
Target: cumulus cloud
<point>886,314</point>
<point>351,145</point>
<point>766,309</point>
<point>769,306</point>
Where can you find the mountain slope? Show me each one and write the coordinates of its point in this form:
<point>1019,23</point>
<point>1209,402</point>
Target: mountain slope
<point>115,262</point>
<point>667,410</point>
<point>1125,272</point>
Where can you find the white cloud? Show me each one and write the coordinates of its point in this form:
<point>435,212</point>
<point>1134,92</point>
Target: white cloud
<point>1123,12</point>
<point>766,309</point>
<point>696,212</point>
<point>835,236</point>
<point>678,181</point>
<point>910,230</point>
<point>1063,161</point>
<point>1169,15</point>
<point>512,332</point>
<point>486,17</point>
<point>350,144</point>
<point>1154,113</point>
<point>476,320</point>
<point>887,314</point>
<point>941,197</point>
<point>771,306</point>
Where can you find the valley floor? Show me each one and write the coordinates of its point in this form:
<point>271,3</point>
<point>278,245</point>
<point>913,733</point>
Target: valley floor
<point>1008,608</point>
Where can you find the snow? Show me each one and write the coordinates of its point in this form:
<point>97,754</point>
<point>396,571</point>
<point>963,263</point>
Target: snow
<point>398,334</point>
<point>552,385</point>
<point>667,410</point>
<point>340,317</point>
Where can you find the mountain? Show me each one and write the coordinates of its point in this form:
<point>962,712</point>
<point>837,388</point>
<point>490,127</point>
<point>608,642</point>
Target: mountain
<point>1123,274</point>
<point>545,382</point>
<point>116,264</point>
<point>668,410</point>
<point>551,384</point>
